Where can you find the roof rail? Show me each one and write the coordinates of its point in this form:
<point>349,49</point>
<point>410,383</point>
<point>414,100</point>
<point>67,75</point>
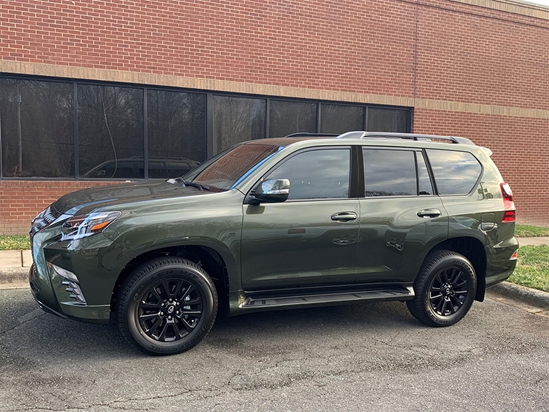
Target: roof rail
<point>408,136</point>
<point>307,134</point>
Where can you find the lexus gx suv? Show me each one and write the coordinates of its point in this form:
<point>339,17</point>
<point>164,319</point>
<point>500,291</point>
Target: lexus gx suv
<point>292,222</point>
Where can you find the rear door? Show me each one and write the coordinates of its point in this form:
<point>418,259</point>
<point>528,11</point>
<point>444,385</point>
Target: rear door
<point>400,216</point>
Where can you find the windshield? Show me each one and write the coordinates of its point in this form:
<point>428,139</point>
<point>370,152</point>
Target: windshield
<point>223,171</point>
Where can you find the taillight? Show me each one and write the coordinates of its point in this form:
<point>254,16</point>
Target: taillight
<point>509,214</point>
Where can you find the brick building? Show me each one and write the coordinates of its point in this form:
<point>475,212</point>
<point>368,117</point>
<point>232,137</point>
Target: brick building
<point>98,91</point>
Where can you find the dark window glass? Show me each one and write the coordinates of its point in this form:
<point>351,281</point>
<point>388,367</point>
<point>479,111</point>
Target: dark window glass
<point>337,118</point>
<point>223,171</point>
<point>316,174</point>
<point>455,173</point>
<point>110,129</point>
<point>237,120</point>
<point>37,134</point>
<point>387,120</point>
<point>290,117</point>
<point>176,132</point>
<point>425,186</point>
<point>389,172</point>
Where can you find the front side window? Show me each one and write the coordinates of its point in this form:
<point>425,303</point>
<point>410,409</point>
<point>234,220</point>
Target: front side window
<point>389,172</point>
<point>316,174</point>
<point>455,173</point>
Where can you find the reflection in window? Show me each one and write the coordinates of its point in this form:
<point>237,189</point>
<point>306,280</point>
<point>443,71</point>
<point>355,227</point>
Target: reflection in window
<point>224,170</point>
<point>237,120</point>
<point>389,172</point>
<point>387,120</point>
<point>424,181</point>
<point>338,118</point>
<point>37,137</point>
<point>287,117</point>
<point>316,174</point>
<point>110,129</point>
<point>176,132</point>
<point>455,173</point>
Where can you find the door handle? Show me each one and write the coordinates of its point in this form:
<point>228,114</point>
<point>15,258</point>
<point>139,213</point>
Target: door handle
<point>429,213</point>
<point>344,216</point>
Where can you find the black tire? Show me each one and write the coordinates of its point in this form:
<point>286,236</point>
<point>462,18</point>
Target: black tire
<point>166,306</point>
<point>445,289</point>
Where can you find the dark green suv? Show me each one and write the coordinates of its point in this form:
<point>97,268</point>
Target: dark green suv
<point>281,223</point>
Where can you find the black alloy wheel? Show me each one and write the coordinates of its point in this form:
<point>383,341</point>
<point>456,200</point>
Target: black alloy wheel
<point>167,306</point>
<point>445,289</point>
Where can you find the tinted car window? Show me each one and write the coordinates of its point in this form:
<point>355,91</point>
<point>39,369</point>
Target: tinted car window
<point>455,173</point>
<point>389,172</point>
<point>316,174</point>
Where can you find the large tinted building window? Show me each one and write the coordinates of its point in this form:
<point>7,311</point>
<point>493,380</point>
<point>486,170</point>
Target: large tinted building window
<point>110,131</point>
<point>288,117</point>
<point>237,120</point>
<point>36,130</point>
<point>338,118</point>
<point>176,131</point>
<point>387,120</point>
<point>96,130</point>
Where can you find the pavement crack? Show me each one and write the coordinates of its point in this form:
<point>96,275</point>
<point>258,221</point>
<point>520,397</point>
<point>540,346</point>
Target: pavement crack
<point>23,320</point>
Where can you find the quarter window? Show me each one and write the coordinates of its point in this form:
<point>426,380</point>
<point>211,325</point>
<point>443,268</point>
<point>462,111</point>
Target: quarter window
<point>455,173</point>
<point>316,174</point>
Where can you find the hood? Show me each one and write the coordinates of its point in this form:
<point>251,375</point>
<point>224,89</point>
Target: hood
<point>109,195</point>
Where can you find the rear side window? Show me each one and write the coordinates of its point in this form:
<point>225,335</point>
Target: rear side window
<point>455,173</point>
<point>394,173</point>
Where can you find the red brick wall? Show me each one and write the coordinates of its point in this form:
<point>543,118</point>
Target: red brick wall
<point>520,150</point>
<point>21,201</point>
<point>436,50</point>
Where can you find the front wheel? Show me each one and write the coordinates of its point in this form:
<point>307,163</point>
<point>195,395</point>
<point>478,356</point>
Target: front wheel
<point>167,306</point>
<point>445,289</point>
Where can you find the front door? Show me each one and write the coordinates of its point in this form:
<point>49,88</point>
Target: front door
<point>311,238</point>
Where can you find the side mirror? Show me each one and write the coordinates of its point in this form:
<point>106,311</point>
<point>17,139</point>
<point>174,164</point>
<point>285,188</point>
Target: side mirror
<point>273,190</point>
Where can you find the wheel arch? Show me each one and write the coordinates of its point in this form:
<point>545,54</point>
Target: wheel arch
<point>473,249</point>
<point>210,259</point>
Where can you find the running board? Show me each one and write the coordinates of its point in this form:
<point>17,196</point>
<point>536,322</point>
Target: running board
<point>330,298</point>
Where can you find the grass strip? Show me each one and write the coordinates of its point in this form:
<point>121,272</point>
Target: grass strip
<point>531,231</point>
<point>532,268</point>
<point>14,242</point>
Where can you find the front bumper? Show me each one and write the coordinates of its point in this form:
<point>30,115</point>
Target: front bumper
<point>92,265</point>
<point>53,297</point>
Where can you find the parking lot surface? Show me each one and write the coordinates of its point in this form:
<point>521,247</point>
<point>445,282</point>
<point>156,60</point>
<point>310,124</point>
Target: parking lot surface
<point>349,358</point>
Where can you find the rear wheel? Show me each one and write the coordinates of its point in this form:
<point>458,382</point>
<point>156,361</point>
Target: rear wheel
<point>167,306</point>
<point>445,289</point>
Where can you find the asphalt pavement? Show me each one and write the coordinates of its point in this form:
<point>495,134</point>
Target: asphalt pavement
<point>363,357</point>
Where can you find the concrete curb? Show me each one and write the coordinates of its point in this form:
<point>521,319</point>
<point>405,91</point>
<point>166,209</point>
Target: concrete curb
<point>12,276</point>
<point>523,294</point>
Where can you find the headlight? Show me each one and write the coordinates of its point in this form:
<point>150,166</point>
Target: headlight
<point>80,226</point>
